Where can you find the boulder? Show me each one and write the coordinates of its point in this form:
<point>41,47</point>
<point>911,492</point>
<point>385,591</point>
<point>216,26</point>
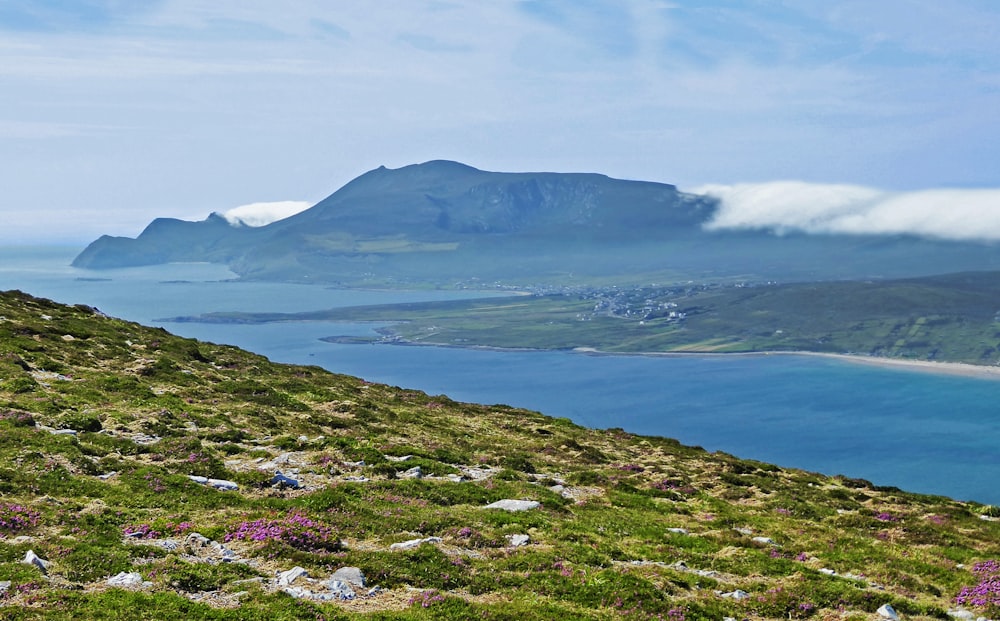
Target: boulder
<point>281,480</point>
<point>738,595</point>
<point>413,543</point>
<point>125,579</point>
<point>30,558</point>
<point>516,541</point>
<point>350,575</point>
<point>514,505</point>
<point>222,484</point>
<point>413,473</point>
<point>338,589</point>
<point>286,578</point>
<point>886,611</point>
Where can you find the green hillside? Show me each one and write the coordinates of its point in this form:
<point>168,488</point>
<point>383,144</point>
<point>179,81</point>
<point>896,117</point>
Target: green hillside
<point>106,427</point>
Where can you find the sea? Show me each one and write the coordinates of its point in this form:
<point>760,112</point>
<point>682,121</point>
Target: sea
<point>920,431</point>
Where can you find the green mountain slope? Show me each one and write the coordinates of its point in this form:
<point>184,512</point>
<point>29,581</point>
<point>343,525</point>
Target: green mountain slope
<point>131,454</point>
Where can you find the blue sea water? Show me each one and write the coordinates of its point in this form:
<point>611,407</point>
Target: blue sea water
<point>923,432</point>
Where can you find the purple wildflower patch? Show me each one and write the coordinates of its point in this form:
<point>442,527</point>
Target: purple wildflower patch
<point>294,530</point>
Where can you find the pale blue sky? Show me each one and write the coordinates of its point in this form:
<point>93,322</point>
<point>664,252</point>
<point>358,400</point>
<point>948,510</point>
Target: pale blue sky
<point>117,111</point>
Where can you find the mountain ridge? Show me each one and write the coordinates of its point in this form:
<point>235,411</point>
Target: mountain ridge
<point>443,223</point>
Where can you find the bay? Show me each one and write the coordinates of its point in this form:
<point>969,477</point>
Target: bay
<point>922,432</point>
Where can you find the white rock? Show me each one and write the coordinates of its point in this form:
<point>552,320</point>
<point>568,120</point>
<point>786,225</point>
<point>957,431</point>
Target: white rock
<point>350,575</point>
<point>222,484</point>
<point>298,592</point>
<point>286,578</point>
<point>961,614</point>
<point>30,558</point>
<point>198,479</point>
<point>827,571</point>
<point>514,505</point>
<point>4,586</point>
<point>738,595</point>
<point>339,590</point>
<point>764,540</point>
<point>125,579</point>
<point>516,541</point>
<point>678,531</point>
<point>886,611</point>
<point>106,476</point>
<point>413,473</point>
<point>63,432</point>
<point>413,543</point>
<point>399,459</point>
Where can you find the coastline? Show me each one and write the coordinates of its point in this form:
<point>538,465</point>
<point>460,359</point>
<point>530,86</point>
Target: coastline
<point>963,369</point>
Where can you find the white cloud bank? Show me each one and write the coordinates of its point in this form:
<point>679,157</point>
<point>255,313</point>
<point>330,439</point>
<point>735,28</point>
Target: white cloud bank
<point>260,214</point>
<point>790,206</point>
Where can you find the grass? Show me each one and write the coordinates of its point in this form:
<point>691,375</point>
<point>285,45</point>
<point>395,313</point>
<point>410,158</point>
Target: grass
<point>629,527</point>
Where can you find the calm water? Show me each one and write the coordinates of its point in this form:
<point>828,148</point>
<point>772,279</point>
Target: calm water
<point>922,432</point>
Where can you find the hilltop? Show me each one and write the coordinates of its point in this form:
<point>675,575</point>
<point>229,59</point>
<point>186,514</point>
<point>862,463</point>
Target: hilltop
<point>444,223</point>
<point>147,476</point>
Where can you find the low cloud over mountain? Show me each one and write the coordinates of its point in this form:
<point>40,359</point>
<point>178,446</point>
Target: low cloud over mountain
<point>261,214</point>
<point>789,206</point>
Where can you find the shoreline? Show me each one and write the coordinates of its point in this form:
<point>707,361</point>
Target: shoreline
<point>963,369</point>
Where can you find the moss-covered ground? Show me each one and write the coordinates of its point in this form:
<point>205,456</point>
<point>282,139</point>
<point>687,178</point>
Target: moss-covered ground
<point>102,423</point>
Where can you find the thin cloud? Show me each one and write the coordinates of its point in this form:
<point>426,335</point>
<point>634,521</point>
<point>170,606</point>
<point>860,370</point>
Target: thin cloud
<point>793,206</point>
<point>260,214</point>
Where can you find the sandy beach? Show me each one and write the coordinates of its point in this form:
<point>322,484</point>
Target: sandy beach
<point>924,366</point>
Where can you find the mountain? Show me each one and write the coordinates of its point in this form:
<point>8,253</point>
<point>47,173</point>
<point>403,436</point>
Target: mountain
<point>147,476</point>
<point>444,222</point>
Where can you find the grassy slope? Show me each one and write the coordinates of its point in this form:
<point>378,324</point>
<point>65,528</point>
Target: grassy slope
<point>946,318</point>
<point>601,550</point>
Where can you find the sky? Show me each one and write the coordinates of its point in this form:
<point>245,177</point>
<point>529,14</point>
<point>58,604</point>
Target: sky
<point>845,115</point>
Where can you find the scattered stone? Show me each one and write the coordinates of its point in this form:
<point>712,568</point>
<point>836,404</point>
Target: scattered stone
<point>399,459</point>
<point>516,541</point>
<point>358,479</point>
<point>457,478</point>
<point>372,592</point>
<point>284,458</point>
<point>767,541</point>
<point>282,480</point>
<point>222,484</point>
<point>744,531</point>
<point>886,611</point>
<point>125,579</point>
<point>20,540</point>
<point>198,479</point>
<point>959,614</point>
<point>286,578</point>
<point>355,464</point>
<point>514,505</point>
<point>350,575</point>
<point>30,558</point>
<point>678,531</point>
<point>63,432</point>
<point>338,589</point>
<point>559,489</point>
<point>737,595</point>
<point>413,543</point>
<point>827,571</point>
<point>106,476</point>
<point>4,586</point>
<point>413,473</point>
<point>297,592</point>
